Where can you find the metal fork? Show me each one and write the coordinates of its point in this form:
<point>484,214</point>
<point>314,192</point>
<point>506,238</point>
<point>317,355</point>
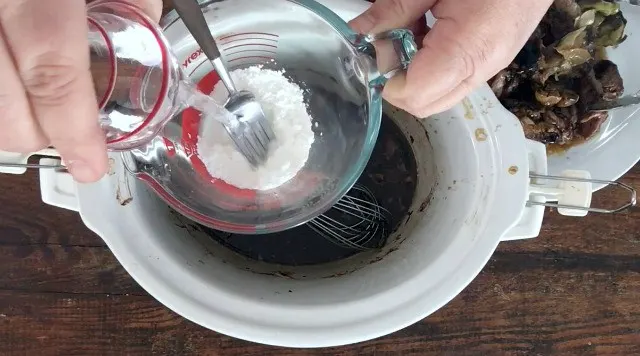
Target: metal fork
<point>251,132</point>
<point>623,102</point>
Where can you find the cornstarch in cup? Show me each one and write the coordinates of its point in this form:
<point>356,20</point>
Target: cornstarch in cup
<point>283,104</point>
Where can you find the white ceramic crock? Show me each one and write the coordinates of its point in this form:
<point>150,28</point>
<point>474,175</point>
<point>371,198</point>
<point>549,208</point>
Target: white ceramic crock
<point>472,189</point>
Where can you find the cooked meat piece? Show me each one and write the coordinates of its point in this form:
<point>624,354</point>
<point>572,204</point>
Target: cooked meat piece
<point>561,72</point>
<point>590,90</point>
<point>559,24</point>
<point>499,81</point>
<point>602,82</point>
<point>590,125</point>
<point>606,72</point>
<point>508,81</point>
<point>527,58</point>
<point>527,112</point>
<point>564,123</point>
<point>595,115</point>
<point>569,7</point>
<point>572,112</point>
<point>516,84</point>
<point>541,132</point>
<point>544,125</point>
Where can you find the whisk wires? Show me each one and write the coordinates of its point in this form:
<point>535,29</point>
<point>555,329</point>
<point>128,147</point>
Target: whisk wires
<point>357,221</point>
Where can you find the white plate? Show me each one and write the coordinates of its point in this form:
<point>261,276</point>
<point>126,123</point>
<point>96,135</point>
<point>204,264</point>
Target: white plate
<point>617,147</point>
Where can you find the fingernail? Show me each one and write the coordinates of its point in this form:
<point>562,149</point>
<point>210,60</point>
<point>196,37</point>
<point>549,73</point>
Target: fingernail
<point>81,171</point>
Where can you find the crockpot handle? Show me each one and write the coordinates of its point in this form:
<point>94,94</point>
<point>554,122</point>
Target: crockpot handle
<point>57,188</point>
<point>572,197</point>
<point>17,163</point>
<point>530,221</point>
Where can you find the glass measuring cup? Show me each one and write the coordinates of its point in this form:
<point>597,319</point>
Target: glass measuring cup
<point>337,70</point>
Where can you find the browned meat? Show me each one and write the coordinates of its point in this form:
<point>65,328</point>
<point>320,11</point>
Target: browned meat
<point>601,83</point>
<point>499,82</point>
<point>606,72</point>
<point>558,23</point>
<point>569,7</point>
<point>546,125</point>
<point>542,132</point>
<point>589,127</point>
<point>559,74</point>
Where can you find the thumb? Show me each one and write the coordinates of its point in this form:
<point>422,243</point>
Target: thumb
<point>386,15</point>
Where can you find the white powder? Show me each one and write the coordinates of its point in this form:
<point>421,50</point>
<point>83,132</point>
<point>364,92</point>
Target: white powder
<point>283,105</point>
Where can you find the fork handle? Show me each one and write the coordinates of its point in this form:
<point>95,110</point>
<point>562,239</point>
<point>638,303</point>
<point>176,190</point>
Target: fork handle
<point>193,18</point>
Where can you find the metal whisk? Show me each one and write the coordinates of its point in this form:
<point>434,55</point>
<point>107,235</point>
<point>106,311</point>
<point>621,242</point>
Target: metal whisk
<point>357,221</point>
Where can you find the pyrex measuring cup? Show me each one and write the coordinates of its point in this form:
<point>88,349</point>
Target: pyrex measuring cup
<point>336,69</point>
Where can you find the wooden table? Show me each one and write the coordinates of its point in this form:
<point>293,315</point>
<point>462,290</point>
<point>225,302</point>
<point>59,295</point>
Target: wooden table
<point>575,290</point>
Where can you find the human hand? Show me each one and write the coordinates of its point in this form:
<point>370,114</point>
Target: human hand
<point>471,41</point>
<point>47,95</point>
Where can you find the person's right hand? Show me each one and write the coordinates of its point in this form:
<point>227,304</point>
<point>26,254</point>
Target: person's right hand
<point>47,96</point>
<point>471,41</point>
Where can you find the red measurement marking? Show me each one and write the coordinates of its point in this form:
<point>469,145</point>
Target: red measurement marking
<point>171,148</point>
<point>112,64</point>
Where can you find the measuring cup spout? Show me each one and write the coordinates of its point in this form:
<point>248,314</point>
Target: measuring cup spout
<point>384,55</point>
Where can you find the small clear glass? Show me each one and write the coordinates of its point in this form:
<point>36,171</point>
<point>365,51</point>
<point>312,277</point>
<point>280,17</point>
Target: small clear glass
<point>137,79</point>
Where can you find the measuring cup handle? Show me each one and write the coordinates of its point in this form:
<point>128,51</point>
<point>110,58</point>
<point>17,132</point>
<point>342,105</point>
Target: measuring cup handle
<point>393,51</point>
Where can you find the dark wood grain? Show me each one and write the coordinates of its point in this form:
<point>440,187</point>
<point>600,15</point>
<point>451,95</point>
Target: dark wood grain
<point>23,223</point>
<point>539,309</point>
<point>572,291</point>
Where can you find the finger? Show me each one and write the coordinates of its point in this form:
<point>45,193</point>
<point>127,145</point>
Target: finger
<point>428,78</point>
<point>449,100</point>
<point>19,132</point>
<point>153,8</point>
<point>49,41</point>
<point>464,48</point>
<point>386,15</point>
